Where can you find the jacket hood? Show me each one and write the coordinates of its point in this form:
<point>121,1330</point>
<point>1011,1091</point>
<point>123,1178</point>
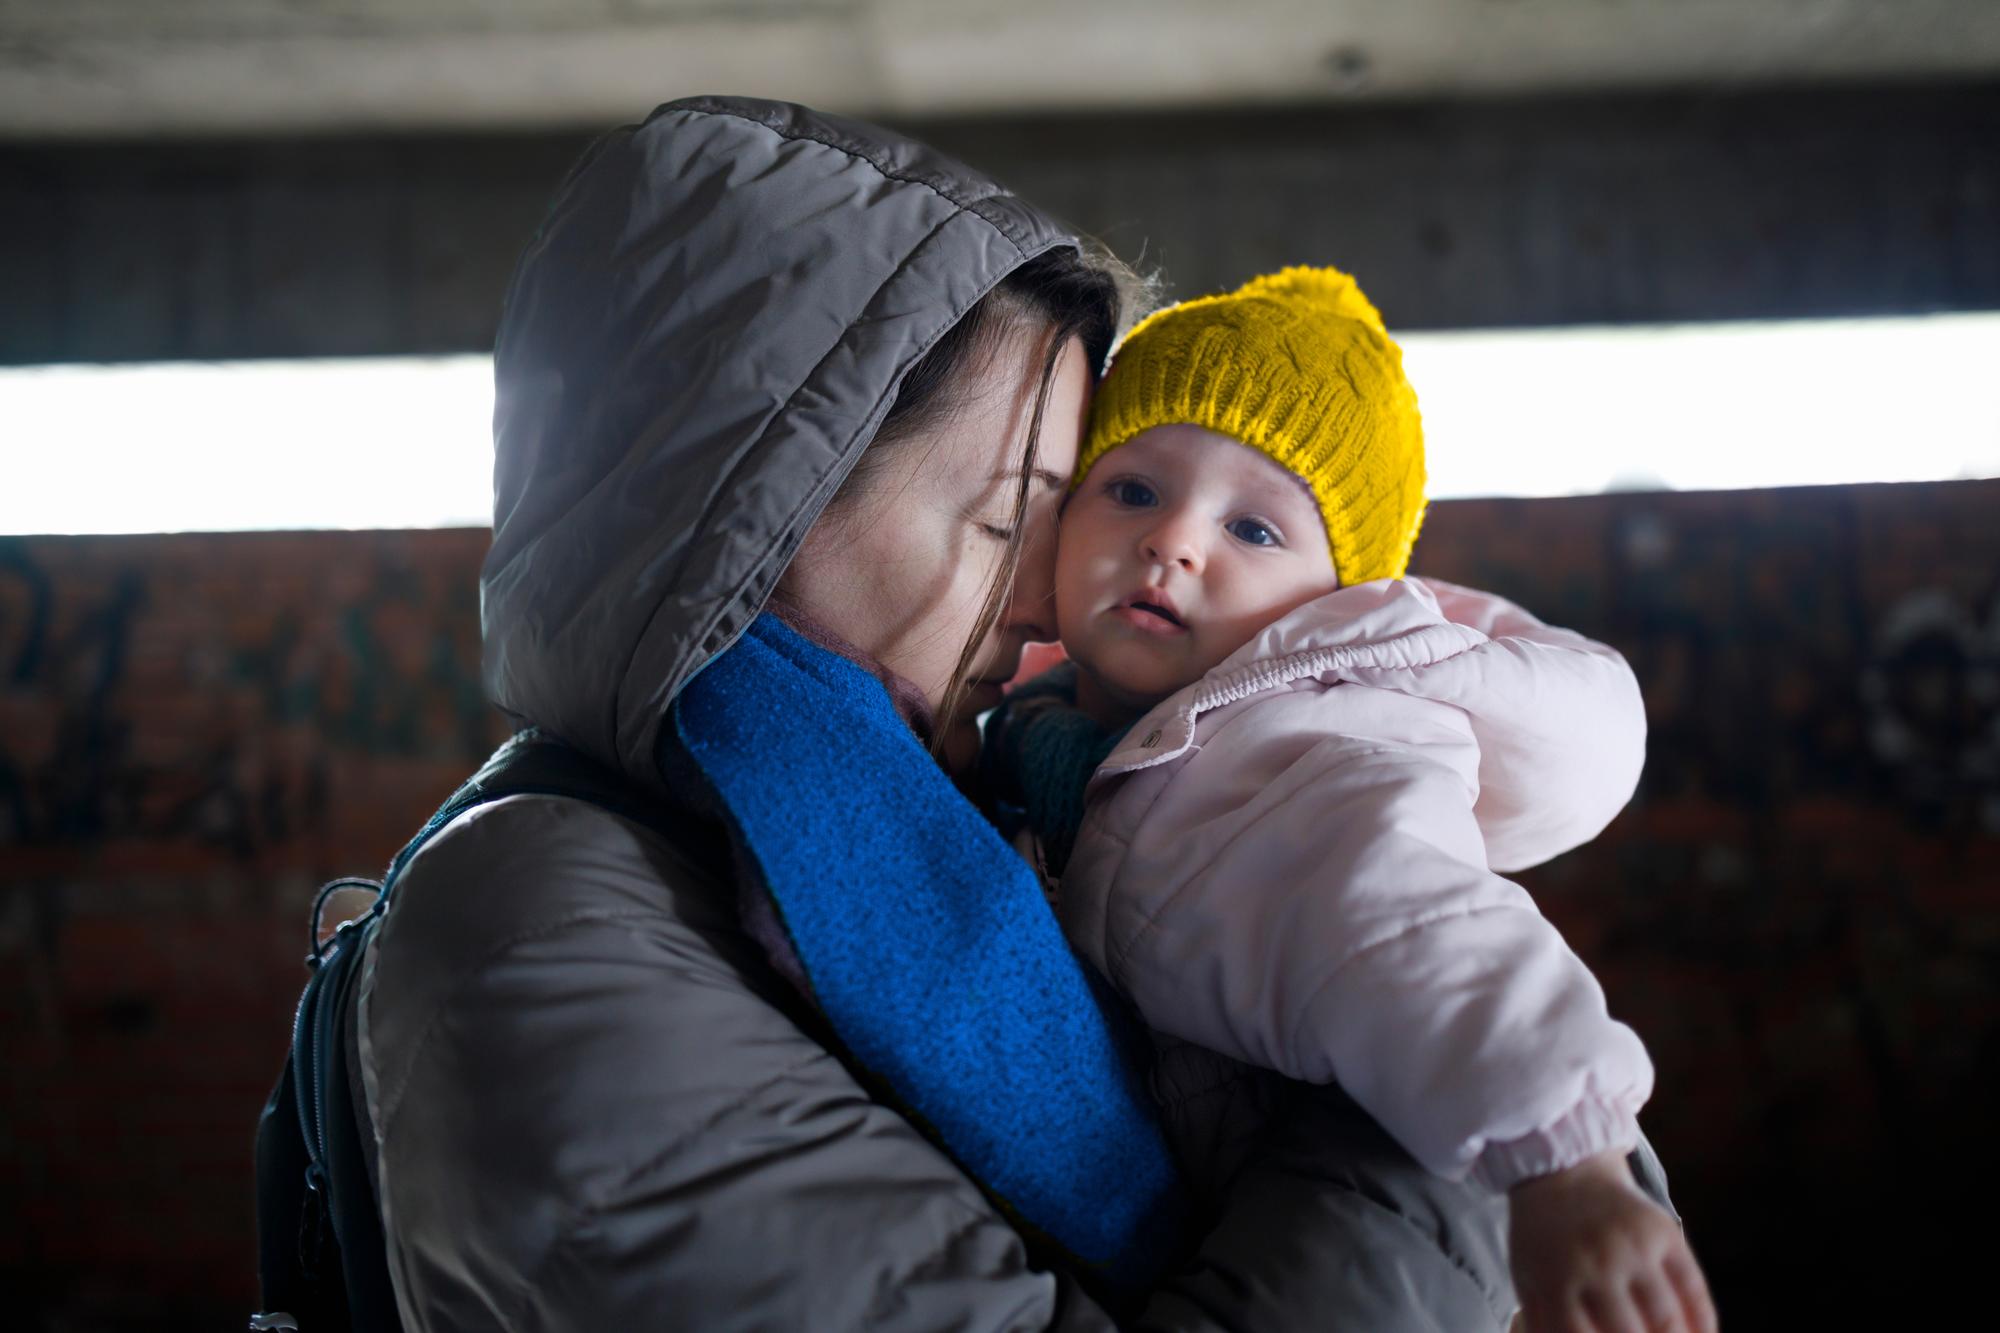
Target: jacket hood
<point>702,337</point>
<point>1558,717</point>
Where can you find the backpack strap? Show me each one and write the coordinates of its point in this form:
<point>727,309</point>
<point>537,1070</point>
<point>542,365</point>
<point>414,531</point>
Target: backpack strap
<point>531,763</point>
<point>322,1256</point>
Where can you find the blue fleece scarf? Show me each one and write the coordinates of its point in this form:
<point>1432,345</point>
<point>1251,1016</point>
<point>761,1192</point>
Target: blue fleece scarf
<point>928,945</point>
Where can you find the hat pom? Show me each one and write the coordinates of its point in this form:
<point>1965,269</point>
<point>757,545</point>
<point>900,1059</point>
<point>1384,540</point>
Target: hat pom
<point>1326,291</point>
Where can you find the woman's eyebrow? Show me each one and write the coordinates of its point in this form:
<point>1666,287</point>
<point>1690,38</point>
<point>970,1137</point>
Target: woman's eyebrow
<point>1053,481</point>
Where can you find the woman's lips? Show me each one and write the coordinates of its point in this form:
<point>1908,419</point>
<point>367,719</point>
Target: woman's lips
<point>1148,619</point>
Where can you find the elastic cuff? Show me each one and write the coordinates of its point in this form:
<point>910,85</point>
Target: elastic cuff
<point>1590,1127</point>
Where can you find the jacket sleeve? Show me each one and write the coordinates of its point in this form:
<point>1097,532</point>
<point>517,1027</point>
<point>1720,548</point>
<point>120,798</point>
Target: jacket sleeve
<point>594,1112</point>
<point>1559,766</point>
<point>596,1108</point>
<point>1328,1223</point>
<point>1308,892</point>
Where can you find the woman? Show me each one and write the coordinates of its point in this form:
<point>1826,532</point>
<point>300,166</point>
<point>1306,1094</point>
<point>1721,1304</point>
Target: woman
<point>756,353</point>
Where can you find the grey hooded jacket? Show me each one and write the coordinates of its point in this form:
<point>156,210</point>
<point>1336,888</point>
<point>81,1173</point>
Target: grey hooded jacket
<point>595,1104</point>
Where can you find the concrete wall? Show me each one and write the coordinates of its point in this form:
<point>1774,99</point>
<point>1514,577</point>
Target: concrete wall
<point>1723,206</point>
<point>1798,913</point>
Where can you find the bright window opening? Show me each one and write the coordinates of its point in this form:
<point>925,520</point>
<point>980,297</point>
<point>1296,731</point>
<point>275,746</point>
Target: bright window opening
<point>406,443</point>
<point>1708,407</point>
<point>387,442</point>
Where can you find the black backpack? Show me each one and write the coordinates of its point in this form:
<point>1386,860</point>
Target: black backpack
<point>322,1261</point>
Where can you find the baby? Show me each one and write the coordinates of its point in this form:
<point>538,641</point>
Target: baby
<point>1276,785</point>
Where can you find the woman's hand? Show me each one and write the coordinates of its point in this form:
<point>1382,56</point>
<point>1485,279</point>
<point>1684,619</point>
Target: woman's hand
<point>1591,1254</point>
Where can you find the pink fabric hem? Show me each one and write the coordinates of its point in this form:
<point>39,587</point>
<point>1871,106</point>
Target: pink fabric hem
<point>1591,1127</point>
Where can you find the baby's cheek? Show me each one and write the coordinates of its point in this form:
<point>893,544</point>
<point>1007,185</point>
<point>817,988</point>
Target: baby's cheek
<point>1071,553</point>
<point>1073,580</point>
<point>1227,637</point>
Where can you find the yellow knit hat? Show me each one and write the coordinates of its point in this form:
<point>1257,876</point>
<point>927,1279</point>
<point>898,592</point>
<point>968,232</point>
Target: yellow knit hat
<point>1296,365</point>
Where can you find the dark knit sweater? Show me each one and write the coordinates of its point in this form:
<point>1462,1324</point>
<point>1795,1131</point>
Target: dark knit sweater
<point>1039,753</point>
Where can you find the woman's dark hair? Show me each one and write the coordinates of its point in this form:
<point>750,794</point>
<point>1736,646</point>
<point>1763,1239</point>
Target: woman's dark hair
<point>1058,295</point>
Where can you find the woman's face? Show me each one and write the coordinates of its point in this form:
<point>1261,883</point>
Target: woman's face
<point>902,569</point>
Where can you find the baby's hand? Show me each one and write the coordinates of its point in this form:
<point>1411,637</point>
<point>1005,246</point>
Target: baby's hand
<point>1591,1254</point>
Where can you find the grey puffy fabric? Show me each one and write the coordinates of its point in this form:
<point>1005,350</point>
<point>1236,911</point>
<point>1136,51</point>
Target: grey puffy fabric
<point>695,347</point>
<point>596,1105</point>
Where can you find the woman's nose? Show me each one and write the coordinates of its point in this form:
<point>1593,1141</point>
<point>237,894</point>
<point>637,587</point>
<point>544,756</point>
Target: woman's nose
<point>1173,540</point>
<point>1032,607</point>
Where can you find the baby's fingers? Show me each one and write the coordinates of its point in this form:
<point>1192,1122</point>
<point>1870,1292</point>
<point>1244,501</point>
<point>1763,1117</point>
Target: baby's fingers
<point>1697,1306</point>
<point>1610,1310</point>
<point>1660,1303</point>
<point>1558,1316</point>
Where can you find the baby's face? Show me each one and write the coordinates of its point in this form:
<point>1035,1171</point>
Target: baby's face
<point>1179,547</point>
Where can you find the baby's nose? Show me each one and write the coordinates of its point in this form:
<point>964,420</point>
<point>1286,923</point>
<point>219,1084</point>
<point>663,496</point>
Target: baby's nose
<point>1173,543</point>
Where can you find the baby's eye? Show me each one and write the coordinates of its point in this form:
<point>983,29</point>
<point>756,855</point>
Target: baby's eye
<point>1254,531</point>
<point>1129,492</point>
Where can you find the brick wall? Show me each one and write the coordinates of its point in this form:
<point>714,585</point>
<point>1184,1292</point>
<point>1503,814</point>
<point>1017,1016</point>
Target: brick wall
<point>1800,912</point>
<point>194,732</point>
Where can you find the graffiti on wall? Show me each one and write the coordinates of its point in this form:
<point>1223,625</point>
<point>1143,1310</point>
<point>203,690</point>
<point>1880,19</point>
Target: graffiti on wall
<point>1800,910</point>
<point>162,698</point>
<point>1931,694</point>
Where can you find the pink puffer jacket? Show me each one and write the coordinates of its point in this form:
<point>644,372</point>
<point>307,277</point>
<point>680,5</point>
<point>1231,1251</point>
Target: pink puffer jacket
<point>1292,862</point>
